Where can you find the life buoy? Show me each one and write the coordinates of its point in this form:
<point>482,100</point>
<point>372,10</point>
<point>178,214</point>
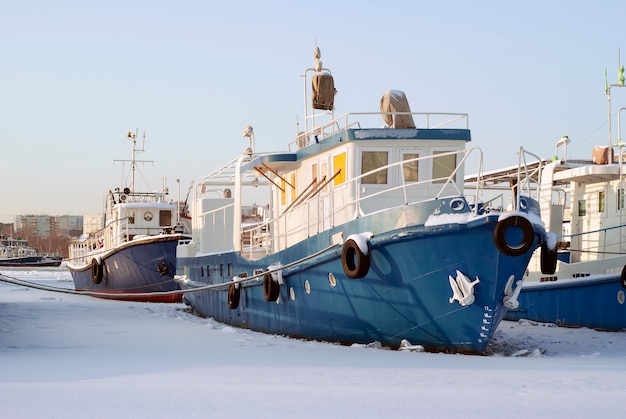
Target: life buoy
<point>514,249</point>
<point>356,264</point>
<point>622,277</point>
<point>548,260</point>
<point>271,288</point>
<point>96,271</point>
<point>234,293</point>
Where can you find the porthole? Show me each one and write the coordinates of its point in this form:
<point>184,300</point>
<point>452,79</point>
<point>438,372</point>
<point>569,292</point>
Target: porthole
<point>147,216</point>
<point>292,294</point>
<point>457,204</point>
<point>307,286</point>
<point>523,205</point>
<point>620,297</point>
<point>332,280</point>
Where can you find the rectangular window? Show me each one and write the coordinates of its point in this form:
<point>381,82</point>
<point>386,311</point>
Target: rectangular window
<point>582,208</point>
<point>221,269</point>
<point>293,187</point>
<point>410,169</point>
<point>131,217</point>
<point>208,271</point>
<point>339,165</point>
<point>620,198</point>
<point>165,218</point>
<point>601,201</point>
<point>283,195</point>
<point>372,160</point>
<point>443,166</point>
<point>314,172</point>
<point>202,271</point>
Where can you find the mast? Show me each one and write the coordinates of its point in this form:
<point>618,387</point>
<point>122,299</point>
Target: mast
<point>620,83</point>
<point>133,162</point>
<point>318,69</point>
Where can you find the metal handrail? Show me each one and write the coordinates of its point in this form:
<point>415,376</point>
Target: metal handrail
<point>261,231</point>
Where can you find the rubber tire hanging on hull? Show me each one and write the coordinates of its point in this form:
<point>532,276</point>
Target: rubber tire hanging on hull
<point>622,278</point>
<point>234,293</point>
<point>355,263</point>
<point>528,236</point>
<point>271,288</point>
<point>96,271</point>
<point>548,260</point>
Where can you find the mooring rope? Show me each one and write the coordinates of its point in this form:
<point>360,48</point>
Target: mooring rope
<point>20,282</point>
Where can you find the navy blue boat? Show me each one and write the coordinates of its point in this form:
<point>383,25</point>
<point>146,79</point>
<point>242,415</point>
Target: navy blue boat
<point>17,253</point>
<point>364,234</point>
<point>133,257</point>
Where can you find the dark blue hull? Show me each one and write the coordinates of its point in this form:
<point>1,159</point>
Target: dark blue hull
<point>406,293</point>
<point>145,266</point>
<point>594,302</point>
<point>30,262</point>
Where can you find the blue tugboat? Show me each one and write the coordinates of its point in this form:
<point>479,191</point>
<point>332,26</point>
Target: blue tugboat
<point>365,234</point>
<point>133,257</point>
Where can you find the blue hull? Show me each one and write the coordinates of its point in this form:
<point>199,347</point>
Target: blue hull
<point>594,302</point>
<point>405,294</point>
<point>145,266</point>
<point>30,262</point>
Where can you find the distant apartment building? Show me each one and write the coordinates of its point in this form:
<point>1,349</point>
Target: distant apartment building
<point>45,226</point>
<point>92,223</point>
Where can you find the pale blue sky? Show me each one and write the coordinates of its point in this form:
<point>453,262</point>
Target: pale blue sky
<point>77,75</point>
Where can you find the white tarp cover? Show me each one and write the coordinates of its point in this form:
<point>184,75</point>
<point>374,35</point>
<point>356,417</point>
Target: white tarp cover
<point>396,101</point>
<point>323,91</point>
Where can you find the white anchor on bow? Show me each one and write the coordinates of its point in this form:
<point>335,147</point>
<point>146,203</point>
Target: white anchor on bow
<point>510,295</point>
<point>462,289</point>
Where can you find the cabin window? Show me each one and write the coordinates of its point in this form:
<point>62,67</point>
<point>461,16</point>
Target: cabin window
<point>165,218</point>
<point>293,187</point>
<point>410,169</point>
<point>582,207</point>
<point>131,217</point>
<point>208,271</point>
<point>221,269</point>
<point>372,160</point>
<point>230,270</point>
<point>339,165</point>
<point>283,194</point>
<point>202,271</point>
<point>324,174</point>
<point>314,173</point>
<point>443,166</point>
<point>620,198</point>
<point>601,201</point>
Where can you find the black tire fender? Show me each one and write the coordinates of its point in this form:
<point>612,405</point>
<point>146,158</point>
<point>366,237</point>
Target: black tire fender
<point>96,271</point>
<point>548,260</point>
<point>622,278</point>
<point>271,288</point>
<point>355,263</point>
<point>512,249</point>
<point>234,293</point>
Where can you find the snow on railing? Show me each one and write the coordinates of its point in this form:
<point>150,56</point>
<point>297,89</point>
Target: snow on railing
<point>429,120</point>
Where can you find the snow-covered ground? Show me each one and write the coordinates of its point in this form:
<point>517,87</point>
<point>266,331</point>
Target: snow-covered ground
<point>71,356</point>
